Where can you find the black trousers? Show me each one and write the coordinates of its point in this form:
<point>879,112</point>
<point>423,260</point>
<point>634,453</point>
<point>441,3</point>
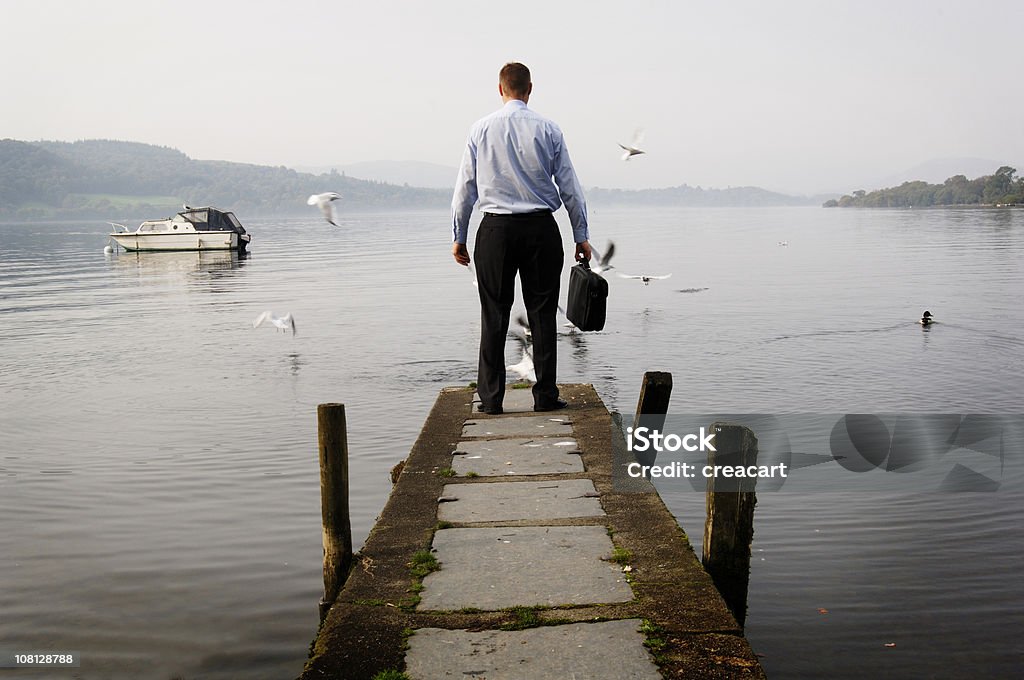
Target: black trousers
<point>529,244</point>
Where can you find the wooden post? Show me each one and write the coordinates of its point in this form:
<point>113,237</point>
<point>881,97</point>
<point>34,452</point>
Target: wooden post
<point>729,527</point>
<point>337,531</point>
<point>655,391</point>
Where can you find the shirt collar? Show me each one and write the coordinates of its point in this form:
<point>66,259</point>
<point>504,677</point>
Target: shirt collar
<point>515,104</point>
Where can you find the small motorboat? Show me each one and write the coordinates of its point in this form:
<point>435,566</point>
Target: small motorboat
<point>191,229</point>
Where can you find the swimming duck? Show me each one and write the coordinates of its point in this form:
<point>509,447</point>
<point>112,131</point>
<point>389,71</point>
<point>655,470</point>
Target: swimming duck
<point>926,319</point>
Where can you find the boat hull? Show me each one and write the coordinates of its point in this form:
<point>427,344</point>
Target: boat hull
<point>210,240</point>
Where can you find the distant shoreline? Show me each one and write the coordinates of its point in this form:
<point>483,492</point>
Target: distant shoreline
<point>132,221</point>
<point>1000,189</point>
<point>957,206</point>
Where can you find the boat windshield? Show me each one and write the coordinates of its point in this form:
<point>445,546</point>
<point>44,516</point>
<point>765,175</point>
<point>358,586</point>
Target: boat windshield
<point>211,219</point>
<point>196,217</point>
<point>234,222</point>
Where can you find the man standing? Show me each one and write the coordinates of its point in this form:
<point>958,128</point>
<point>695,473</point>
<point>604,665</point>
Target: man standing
<point>517,165</point>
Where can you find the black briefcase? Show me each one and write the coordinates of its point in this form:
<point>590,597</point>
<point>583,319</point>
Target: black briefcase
<point>588,298</point>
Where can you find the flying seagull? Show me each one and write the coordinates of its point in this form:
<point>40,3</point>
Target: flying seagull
<point>326,203</point>
<point>634,147</point>
<point>524,369</point>
<point>602,262</point>
<point>646,278</point>
<point>285,322</point>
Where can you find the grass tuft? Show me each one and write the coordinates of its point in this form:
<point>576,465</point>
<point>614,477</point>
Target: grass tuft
<point>423,562</point>
<point>391,675</point>
<point>621,556</point>
<point>654,639</point>
<point>522,618</point>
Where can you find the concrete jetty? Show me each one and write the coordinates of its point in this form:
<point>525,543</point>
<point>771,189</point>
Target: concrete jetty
<point>506,552</point>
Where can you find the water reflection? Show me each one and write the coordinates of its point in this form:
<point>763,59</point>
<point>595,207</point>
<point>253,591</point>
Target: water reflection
<point>578,342</point>
<point>212,262</point>
<point>1001,219</point>
<point>925,332</point>
<point>295,362</point>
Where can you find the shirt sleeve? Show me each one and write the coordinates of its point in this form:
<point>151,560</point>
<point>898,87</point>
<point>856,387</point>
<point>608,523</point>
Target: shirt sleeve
<point>465,193</point>
<point>570,191</point>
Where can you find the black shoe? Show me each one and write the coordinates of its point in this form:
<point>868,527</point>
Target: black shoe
<point>490,410</point>
<point>554,406</point>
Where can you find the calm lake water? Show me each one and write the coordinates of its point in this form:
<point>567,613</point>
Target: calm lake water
<point>159,490</point>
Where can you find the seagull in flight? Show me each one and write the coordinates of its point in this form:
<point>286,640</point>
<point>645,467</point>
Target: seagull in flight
<point>524,369</point>
<point>646,278</point>
<point>602,262</point>
<point>634,147</point>
<point>286,322</point>
<point>326,203</point>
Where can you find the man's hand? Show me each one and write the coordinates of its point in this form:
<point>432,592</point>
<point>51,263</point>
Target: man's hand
<point>583,251</point>
<point>461,254</point>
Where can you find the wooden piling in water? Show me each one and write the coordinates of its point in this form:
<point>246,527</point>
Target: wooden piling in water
<point>337,530</point>
<point>729,527</point>
<point>651,407</point>
<point>655,392</point>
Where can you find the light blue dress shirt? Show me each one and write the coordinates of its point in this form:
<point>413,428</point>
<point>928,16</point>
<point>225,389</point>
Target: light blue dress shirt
<point>516,162</point>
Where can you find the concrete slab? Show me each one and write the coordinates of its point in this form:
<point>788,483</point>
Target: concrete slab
<point>611,650</point>
<point>514,401</point>
<point>497,567</point>
<point>541,425</point>
<point>523,456</point>
<point>506,501</point>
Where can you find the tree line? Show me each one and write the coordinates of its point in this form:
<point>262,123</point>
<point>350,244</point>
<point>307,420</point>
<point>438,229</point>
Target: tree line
<point>113,179</point>
<point>1001,188</point>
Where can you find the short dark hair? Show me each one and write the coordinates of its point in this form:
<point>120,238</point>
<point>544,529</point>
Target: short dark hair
<point>514,78</point>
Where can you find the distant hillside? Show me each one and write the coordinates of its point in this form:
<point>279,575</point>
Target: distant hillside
<point>112,179</point>
<point>697,197</point>
<point>413,173</point>
<point>116,180</point>
<point>1000,188</point>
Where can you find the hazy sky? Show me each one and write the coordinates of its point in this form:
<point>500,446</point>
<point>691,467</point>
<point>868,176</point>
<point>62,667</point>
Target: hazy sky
<point>798,96</point>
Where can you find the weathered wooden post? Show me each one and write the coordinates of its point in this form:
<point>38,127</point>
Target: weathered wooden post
<point>655,391</point>
<point>729,527</point>
<point>337,531</point>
